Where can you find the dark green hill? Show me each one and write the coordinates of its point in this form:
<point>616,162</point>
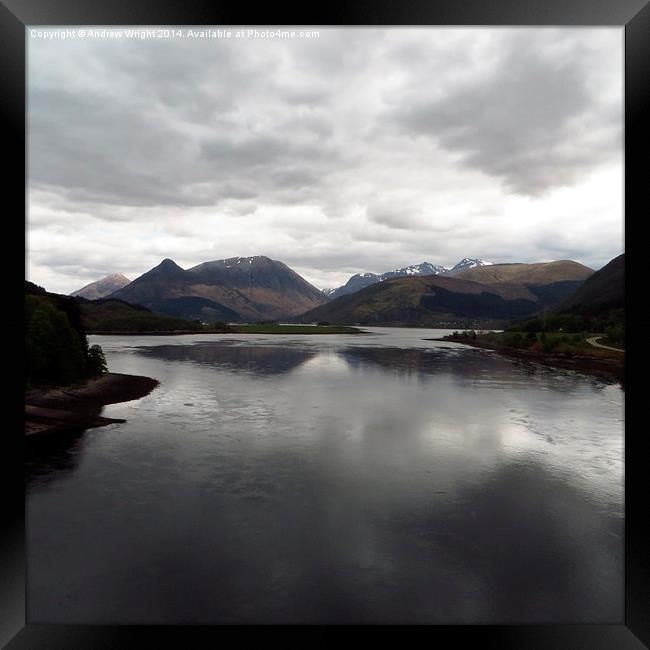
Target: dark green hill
<point>112,315</point>
<point>56,348</point>
<point>34,289</point>
<point>602,292</point>
<point>430,301</point>
<point>195,308</point>
<point>598,305</point>
<point>66,304</point>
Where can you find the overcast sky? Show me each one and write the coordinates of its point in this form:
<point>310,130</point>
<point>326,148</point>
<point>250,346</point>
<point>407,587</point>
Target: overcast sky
<point>361,150</point>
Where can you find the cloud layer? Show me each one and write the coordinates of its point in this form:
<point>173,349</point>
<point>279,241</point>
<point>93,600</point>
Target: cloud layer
<point>362,150</point>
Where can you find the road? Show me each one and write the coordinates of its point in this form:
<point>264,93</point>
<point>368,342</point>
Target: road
<point>593,339</point>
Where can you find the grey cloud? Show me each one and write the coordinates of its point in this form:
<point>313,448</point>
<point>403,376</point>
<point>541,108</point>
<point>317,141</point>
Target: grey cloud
<point>532,122</point>
<point>306,96</point>
<point>408,217</point>
<point>93,150</point>
<point>397,217</point>
<point>117,153</point>
<point>192,78</point>
<point>245,152</point>
<point>378,132</point>
<point>295,177</point>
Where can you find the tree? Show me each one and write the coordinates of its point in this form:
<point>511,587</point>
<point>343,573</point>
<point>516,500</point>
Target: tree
<point>615,334</point>
<point>96,361</point>
<point>54,350</point>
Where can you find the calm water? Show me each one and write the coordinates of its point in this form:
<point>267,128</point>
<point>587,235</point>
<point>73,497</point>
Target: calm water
<point>377,478</point>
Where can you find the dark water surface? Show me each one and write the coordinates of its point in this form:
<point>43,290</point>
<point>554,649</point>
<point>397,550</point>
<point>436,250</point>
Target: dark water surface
<point>377,478</point>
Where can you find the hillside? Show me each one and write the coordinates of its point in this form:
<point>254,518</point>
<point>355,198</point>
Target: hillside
<point>234,289</point>
<point>530,274</point>
<point>56,348</point>
<point>603,291</point>
<point>111,315</point>
<point>597,306</point>
<point>429,300</point>
<point>194,308</point>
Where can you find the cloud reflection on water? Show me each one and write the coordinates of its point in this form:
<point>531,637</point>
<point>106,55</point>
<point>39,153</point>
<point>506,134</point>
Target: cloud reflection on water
<point>324,483</point>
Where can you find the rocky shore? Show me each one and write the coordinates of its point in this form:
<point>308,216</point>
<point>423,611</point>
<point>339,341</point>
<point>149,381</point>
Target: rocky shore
<point>60,409</point>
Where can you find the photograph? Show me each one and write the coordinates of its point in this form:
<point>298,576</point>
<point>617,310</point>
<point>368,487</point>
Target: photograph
<point>325,325</point>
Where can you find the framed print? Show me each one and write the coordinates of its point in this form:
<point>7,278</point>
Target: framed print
<point>327,321</point>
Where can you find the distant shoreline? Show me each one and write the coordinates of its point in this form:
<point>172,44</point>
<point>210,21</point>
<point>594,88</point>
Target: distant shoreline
<point>246,329</point>
<point>72,408</point>
<point>612,369</point>
<point>151,333</point>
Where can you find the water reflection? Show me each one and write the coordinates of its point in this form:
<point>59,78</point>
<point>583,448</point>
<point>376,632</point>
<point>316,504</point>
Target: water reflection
<point>52,458</point>
<point>482,365</point>
<point>252,360</point>
<point>525,544</point>
<point>326,482</point>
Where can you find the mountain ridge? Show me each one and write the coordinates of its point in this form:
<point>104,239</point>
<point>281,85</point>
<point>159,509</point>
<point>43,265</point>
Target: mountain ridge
<point>361,280</point>
<point>243,288</point>
<point>455,299</point>
<point>527,273</point>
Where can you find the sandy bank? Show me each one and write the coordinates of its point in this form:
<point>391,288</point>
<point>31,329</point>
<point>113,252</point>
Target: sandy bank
<point>72,408</point>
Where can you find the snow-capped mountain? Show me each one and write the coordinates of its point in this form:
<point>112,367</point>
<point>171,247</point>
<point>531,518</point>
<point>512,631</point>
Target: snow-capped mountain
<point>363,280</point>
<point>355,283</point>
<point>467,263</point>
<point>425,268</point>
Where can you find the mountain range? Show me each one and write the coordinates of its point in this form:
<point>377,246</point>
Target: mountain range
<point>487,293</point>
<point>362,280</point>
<point>250,289</point>
<point>231,290</point>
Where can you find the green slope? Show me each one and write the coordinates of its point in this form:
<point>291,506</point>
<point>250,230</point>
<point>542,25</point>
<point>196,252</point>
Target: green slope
<point>603,291</point>
<point>428,301</point>
<point>111,315</point>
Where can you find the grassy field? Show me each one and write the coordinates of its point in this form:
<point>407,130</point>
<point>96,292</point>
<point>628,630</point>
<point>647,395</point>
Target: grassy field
<point>294,329</point>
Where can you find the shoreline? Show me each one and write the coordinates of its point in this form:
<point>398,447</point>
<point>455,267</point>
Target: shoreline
<point>610,369</point>
<point>183,332</point>
<point>152,333</point>
<point>62,409</point>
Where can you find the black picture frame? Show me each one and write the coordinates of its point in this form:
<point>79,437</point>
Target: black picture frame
<point>632,15</point>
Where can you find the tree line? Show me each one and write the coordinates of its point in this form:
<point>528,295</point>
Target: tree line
<point>56,346</point>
